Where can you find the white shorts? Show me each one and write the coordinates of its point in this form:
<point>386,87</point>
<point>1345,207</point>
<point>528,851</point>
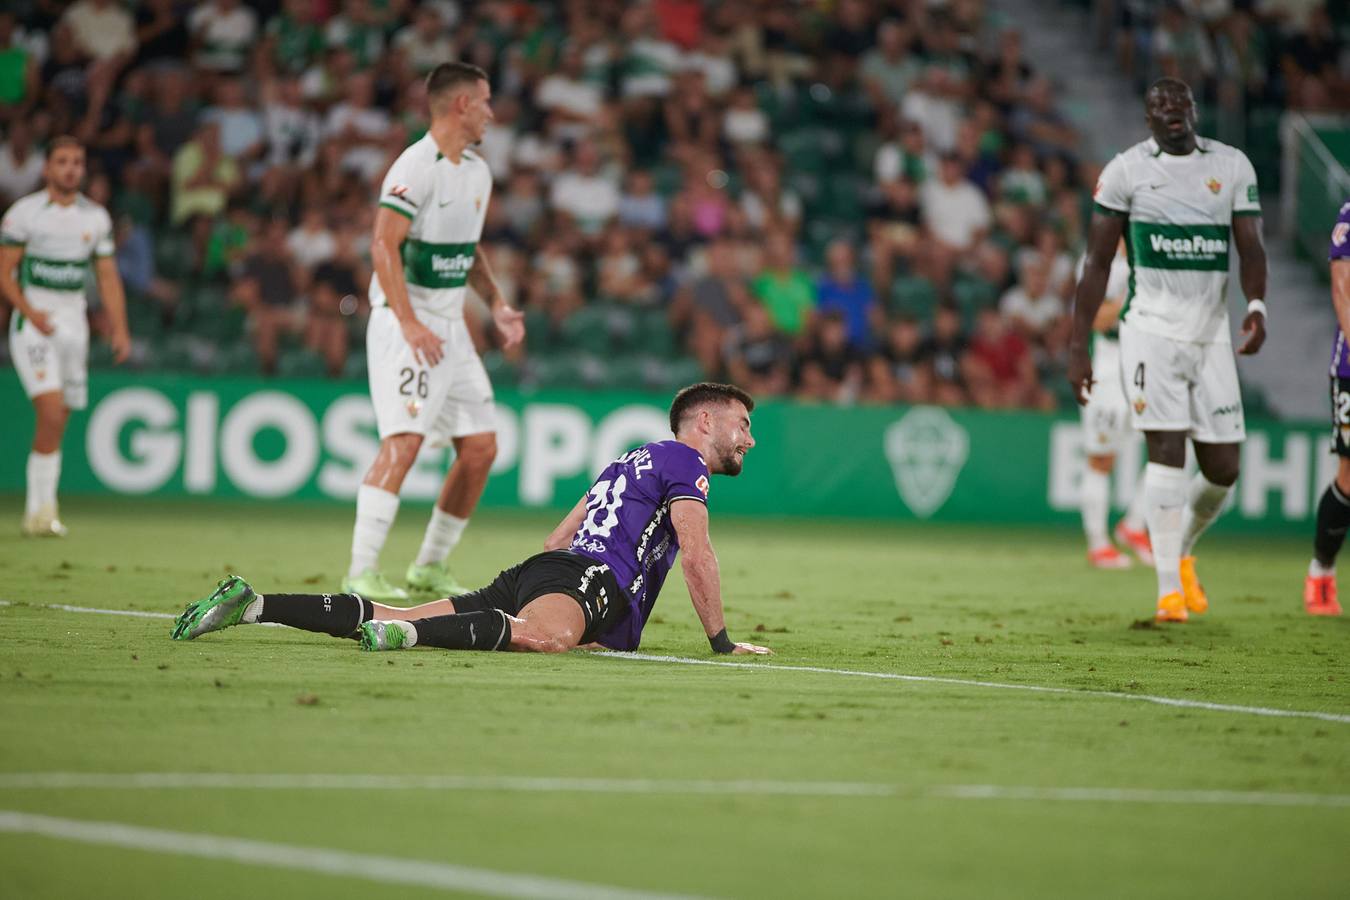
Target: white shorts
<point>53,362</point>
<point>1182,386</point>
<point>449,400</point>
<point>1106,415</point>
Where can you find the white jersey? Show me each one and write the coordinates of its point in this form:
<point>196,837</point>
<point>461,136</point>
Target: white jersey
<point>1180,211</point>
<point>58,243</point>
<point>447,203</point>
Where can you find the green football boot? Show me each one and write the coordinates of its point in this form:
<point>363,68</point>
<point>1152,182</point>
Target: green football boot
<point>372,585</point>
<point>377,635</point>
<point>434,579</point>
<point>225,607</point>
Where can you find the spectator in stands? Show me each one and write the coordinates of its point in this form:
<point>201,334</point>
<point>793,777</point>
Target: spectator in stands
<point>425,43</point>
<point>1182,49</point>
<point>889,69</point>
<point>934,104</point>
<point>203,176</point>
<point>1031,306</point>
<point>311,242</point>
<point>1000,369</point>
<point>830,368</point>
<point>900,372</point>
<point>691,117</point>
<point>336,292</point>
<point>1036,120</point>
<point>223,34</point>
<point>583,193</point>
<point>103,31</point>
<point>946,350</point>
<point>783,288</point>
<point>744,123</point>
<point>19,84</point>
<point>165,127</point>
<point>136,265</point>
<point>358,29</point>
<point>756,355</point>
<point>356,129</point>
<point>241,127</point>
<point>1021,181</point>
<point>292,133</point>
<point>641,207</point>
<point>20,163</point>
<point>768,206</point>
<point>267,288</point>
<point>618,269</point>
<point>293,38</point>
<point>713,303</point>
<point>844,290</point>
<point>955,216</point>
<point>572,102</point>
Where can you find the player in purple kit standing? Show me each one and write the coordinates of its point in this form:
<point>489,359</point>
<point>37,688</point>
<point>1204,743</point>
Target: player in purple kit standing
<point>1333,512</point>
<point>596,582</point>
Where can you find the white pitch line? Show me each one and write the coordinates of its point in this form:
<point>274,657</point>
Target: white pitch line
<point>1341,718</point>
<point>965,682</point>
<point>648,786</point>
<point>382,869</point>
<point>512,783</point>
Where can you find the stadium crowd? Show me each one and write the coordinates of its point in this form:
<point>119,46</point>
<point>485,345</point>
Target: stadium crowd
<point>858,201</point>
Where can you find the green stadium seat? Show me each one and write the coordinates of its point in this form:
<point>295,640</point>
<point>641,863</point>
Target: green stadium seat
<point>914,296</point>
<point>300,363</point>
<point>355,367</point>
<point>587,330</point>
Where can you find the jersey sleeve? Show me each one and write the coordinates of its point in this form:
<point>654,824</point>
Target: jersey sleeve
<point>1246,196</point>
<point>407,185</point>
<point>103,240</point>
<point>684,476</point>
<point>1112,195</point>
<point>1340,235</point>
<point>14,227</point>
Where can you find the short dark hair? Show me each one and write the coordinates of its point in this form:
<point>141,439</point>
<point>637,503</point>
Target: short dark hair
<point>448,76</point>
<point>701,394</point>
<point>1167,85</point>
<point>63,140</point>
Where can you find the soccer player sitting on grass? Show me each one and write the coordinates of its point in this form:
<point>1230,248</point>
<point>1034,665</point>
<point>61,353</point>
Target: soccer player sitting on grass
<point>596,582</point>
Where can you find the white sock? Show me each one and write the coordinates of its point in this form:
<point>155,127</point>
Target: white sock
<point>443,534</point>
<point>254,611</point>
<point>375,512</point>
<point>1166,487</point>
<point>1206,502</point>
<point>1094,502</point>
<point>1136,516</point>
<point>1317,570</point>
<point>44,471</point>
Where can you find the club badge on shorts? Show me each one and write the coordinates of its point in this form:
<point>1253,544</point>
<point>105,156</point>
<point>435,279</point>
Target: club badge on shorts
<point>1139,406</point>
<point>414,407</point>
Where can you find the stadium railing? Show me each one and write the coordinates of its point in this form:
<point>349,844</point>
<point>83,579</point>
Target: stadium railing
<point>1316,149</point>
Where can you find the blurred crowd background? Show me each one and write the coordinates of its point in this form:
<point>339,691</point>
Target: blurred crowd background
<point>852,201</point>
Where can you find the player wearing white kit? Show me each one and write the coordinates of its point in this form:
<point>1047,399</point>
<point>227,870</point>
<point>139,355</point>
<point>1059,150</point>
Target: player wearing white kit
<point>1179,200</point>
<point>426,380</point>
<point>47,240</point>
<point>1106,429</point>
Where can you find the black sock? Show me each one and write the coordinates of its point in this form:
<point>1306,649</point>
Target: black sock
<point>1333,517</point>
<point>488,629</point>
<point>336,614</point>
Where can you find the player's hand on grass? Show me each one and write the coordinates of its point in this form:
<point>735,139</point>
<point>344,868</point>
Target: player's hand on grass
<point>749,649</point>
<point>1254,327</point>
<point>41,321</point>
<point>1080,374</point>
<point>120,342</point>
<point>510,324</point>
<point>427,348</point>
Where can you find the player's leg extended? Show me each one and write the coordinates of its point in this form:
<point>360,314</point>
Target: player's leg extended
<point>44,465</point>
<point>464,483</point>
<point>552,623</point>
<point>1333,518</point>
<point>1165,483</point>
<point>1209,488</point>
<point>376,508</point>
<point>1095,502</point>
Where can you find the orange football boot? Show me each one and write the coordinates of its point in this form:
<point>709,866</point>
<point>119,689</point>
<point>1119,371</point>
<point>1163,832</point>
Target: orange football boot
<point>1319,595</point>
<point>1137,541</point>
<point>1108,557</point>
<point>1171,608</point>
<point>1196,601</point>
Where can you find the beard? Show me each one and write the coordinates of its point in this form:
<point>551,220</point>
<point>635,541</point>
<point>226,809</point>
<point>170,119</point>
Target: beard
<point>728,463</point>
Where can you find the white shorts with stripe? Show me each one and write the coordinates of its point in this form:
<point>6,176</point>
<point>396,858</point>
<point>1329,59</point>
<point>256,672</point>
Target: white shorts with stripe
<point>53,362</point>
<point>449,400</point>
<point>1182,386</point>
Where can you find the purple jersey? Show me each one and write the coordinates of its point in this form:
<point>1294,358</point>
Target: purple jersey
<point>1340,249</point>
<point>627,525</point>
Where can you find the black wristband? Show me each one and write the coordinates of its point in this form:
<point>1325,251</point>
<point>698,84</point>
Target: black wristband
<point>721,643</point>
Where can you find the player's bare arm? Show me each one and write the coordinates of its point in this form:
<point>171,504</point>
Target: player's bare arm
<point>561,538</point>
<point>1252,273</point>
<point>115,301</point>
<point>10,257</point>
<point>1103,236</point>
<point>510,321</point>
<point>391,230</point>
<point>701,574</point>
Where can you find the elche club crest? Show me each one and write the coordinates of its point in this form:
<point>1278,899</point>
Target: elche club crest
<point>1214,185</point>
<point>927,450</point>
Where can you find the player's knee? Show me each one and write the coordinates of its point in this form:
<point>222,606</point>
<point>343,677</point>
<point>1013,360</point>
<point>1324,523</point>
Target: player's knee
<point>479,451</point>
<point>1223,472</point>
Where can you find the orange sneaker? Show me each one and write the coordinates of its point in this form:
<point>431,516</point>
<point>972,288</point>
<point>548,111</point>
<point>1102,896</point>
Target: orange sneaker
<point>1196,601</point>
<point>1319,595</point>
<point>1108,557</point>
<point>1171,608</point>
<point>1137,541</point>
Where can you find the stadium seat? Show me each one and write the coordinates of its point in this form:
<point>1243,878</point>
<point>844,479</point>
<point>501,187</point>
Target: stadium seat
<point>914,296</point>
<point>300,363</point>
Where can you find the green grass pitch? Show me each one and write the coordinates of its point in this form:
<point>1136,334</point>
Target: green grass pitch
<point>91,693</point>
